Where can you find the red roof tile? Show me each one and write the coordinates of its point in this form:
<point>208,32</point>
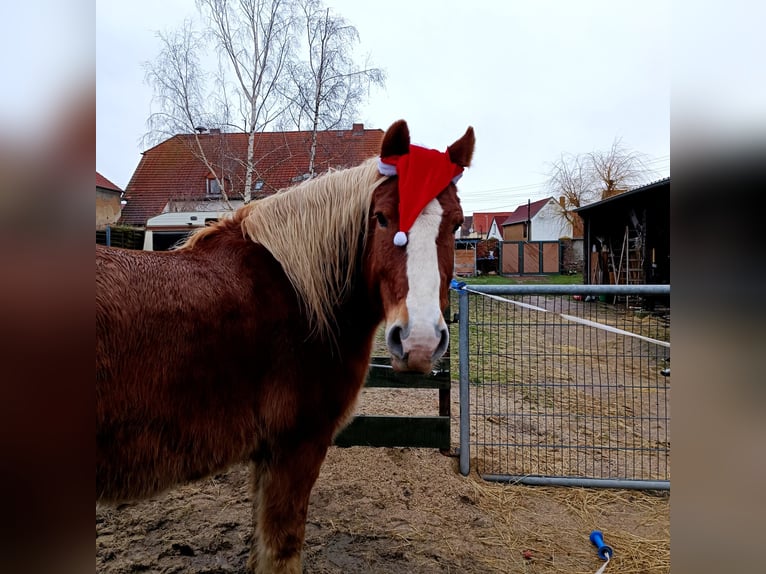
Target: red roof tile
<point>172,169</point>
<point>101,181</point>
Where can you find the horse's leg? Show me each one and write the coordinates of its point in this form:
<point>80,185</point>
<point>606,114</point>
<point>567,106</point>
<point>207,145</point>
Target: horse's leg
<point>256,474</point>
<point>285,487</point>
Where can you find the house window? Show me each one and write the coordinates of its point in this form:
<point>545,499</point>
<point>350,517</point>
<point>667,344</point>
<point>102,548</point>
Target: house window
<point>259,185</point>
<point>213,189</point>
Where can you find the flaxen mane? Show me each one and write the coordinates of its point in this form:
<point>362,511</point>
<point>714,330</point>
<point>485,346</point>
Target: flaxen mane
<point>313,230</point>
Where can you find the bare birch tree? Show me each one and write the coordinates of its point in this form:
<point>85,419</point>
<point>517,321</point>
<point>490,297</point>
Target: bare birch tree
<point>179,86</point>
<point>327,87</point>
<point>259,83</point>
<point>255,39</point>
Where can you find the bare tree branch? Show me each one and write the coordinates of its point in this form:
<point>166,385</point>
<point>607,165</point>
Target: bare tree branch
<point>178,84</point>
<point>255,37</point>
<point>577,180</point>
<point>259,83</point>
<point>327,87</point>
<point>618,169</point>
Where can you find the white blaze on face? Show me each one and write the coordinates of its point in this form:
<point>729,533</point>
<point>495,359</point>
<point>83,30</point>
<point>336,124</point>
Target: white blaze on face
<point>423,277</point>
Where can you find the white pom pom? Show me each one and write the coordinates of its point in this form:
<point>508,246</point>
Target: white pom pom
<point>400,238</point>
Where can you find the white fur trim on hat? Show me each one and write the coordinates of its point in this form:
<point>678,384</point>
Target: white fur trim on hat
<point>400,239</point>
<point>386,169</point>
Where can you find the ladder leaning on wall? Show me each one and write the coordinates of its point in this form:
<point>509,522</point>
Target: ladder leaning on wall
<point>630,269</point>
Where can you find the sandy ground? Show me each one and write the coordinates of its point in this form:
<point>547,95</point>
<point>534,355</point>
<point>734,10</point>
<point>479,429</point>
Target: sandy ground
<point>392,510</point>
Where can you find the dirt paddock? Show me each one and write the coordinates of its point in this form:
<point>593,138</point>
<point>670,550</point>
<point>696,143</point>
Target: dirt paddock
<point>394,510</point>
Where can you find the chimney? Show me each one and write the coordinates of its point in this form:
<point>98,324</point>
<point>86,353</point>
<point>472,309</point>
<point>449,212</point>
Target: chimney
<point>357,129</point>
<point>215,131</point>
<point>563,202</point>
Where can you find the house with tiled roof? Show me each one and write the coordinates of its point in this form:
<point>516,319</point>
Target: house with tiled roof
<point>176,177</point>
<point>539,220</point>
<point>108,197</point>
<point>483,225</point>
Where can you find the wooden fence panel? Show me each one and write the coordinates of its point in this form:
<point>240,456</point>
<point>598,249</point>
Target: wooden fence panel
<point>551,254</point>
<point>125,237</point>
<point>465,262</point>
<point>530,257</point>
<point>510,258</point>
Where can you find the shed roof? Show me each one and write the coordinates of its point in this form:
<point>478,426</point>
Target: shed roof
<point>621,196</point>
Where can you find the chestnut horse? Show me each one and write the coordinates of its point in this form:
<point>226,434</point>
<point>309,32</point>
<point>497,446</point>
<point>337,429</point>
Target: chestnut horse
<point>252,341</point>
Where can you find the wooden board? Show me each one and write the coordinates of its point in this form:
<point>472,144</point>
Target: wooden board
<point>387,431</point>
<point>465,262</point>
<point>383,375</point>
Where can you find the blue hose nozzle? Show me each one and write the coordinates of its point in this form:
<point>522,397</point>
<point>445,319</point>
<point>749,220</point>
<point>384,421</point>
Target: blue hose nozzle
<point>604,550</point>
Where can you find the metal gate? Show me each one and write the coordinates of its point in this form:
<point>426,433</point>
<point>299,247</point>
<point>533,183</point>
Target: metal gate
<point>562,384</point>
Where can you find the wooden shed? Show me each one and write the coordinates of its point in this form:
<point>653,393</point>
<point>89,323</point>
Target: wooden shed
<point>627,237</point>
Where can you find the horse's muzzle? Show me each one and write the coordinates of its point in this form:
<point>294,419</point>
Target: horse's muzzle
<point>416,350</point>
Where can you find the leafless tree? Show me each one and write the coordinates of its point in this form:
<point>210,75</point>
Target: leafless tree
<point>327,86</point>
<point>572,181</point>
<point>260,83</point>
<point>579,179</point>
<point>255,39</point>
<point>179,85</point>
<point>618,169</point>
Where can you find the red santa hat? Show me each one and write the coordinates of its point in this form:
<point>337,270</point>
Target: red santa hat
<point>423,174</point>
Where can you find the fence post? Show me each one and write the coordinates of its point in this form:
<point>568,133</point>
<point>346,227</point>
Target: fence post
<point>465,429</point>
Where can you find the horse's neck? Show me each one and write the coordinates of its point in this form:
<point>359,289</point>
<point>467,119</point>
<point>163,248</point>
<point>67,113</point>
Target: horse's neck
<point>361,311</point>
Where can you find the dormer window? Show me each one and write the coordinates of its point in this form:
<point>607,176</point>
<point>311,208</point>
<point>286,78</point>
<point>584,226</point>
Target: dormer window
<point>259,185</point>
<point>213,188</point>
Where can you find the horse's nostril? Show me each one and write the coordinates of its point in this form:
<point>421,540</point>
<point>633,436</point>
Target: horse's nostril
<point>443,342</point>
<point>394,342</point>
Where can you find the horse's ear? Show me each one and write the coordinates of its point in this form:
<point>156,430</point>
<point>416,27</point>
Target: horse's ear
<point>461,151</point>
<point>396,141</point>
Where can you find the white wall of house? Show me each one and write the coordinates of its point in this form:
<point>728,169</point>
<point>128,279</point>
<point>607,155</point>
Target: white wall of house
<point>548,225</point>
<point>495,232</point>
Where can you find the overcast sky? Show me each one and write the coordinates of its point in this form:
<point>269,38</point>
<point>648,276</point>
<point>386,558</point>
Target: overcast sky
<point>535,80</point>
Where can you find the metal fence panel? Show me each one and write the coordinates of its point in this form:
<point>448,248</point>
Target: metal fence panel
<point>566,385</point>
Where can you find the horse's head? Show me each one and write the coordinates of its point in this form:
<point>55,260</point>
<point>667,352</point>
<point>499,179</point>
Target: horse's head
<point>413,218</point>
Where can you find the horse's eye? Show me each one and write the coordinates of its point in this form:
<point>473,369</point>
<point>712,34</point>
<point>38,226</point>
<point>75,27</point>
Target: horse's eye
<point>382,221</point>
